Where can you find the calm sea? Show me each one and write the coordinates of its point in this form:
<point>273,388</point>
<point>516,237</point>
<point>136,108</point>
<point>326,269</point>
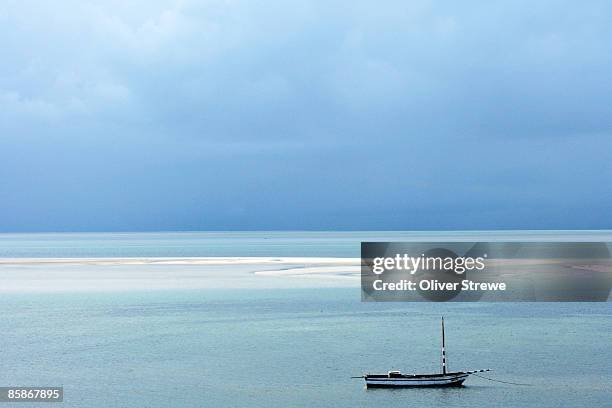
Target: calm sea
<point>279,348</point>
<point>317,244</point>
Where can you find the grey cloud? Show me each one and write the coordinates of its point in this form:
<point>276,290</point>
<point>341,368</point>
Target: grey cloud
<point>304,114</point>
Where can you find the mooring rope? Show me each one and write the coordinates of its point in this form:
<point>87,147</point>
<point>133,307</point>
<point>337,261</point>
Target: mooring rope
<point>505,382</point>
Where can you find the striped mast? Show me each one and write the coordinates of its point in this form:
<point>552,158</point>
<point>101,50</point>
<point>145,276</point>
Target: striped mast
<point>443,350</point>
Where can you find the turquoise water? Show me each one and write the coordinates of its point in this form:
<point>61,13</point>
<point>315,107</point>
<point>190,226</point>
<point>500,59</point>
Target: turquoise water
<point>318,244</point>
<point>279,347</point>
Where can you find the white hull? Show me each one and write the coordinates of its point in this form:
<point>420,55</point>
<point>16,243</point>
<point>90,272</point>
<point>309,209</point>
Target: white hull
<point>416,381</point>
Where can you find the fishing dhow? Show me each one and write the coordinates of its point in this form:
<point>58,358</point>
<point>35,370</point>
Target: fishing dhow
<point>395,379</point>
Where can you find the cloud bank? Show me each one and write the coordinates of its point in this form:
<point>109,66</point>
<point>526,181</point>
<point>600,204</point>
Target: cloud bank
<point>305,115</point>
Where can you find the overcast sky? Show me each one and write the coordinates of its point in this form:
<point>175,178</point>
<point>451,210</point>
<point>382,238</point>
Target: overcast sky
<point>305,115</point>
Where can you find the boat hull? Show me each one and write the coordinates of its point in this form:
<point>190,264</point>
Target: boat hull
<point>415,381</point>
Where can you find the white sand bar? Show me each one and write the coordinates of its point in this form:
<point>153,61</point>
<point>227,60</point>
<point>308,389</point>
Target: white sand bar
<point>132,274</point>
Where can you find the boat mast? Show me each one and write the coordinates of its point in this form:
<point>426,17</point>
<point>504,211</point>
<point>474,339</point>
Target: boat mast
<point>443,350</point>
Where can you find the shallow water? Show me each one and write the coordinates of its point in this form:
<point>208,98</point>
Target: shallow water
<point>251,243</point>
<point>291,347</point>
<point>274,348</point>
